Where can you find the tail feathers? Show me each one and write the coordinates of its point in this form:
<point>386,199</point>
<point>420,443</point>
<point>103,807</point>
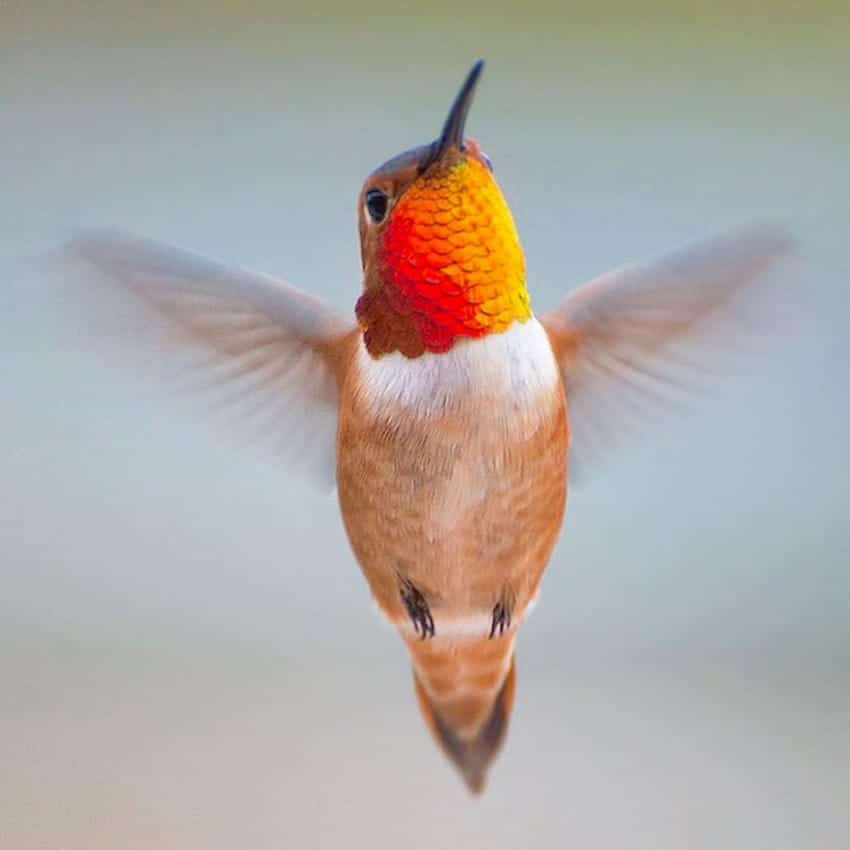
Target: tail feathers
<point>472,755</point>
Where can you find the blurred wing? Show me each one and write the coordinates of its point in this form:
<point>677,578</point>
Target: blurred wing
<point>276,352</point>
<point>637,340</point>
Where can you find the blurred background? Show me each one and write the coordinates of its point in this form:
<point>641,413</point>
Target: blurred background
<point>188,652</point>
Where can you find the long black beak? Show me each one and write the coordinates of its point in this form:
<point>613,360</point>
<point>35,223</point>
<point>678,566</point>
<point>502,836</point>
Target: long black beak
<point>452,135</point>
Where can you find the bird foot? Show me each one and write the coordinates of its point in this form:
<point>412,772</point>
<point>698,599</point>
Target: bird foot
<point>501,621</point>
<point>418,610</point>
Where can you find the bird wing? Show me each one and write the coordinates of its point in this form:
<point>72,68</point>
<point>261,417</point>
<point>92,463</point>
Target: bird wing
<point>635,342</point>
<point>275,351</point>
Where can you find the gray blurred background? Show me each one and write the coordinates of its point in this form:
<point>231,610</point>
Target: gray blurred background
<point>189,656</point>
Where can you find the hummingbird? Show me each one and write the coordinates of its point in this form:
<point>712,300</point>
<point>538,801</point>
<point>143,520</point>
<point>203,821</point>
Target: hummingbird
<point>450,416</point>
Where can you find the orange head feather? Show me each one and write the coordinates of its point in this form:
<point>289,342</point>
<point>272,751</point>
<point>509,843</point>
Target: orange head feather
<point>441,254</point>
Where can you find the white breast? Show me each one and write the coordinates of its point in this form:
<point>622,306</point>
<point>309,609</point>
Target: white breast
<point>510,370</point>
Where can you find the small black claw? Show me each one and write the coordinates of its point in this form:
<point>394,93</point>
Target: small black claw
<point>501,618</point>
<point>417,608</point>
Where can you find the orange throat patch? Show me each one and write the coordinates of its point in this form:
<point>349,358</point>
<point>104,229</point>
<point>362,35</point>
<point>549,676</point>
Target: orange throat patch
<point>450,264</point>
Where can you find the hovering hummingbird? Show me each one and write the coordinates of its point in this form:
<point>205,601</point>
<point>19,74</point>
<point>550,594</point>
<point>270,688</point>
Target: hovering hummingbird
<point>451,408</point>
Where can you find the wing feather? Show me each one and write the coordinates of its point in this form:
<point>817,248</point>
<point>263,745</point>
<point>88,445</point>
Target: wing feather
<point>270,350</point>
<point>644,339</point>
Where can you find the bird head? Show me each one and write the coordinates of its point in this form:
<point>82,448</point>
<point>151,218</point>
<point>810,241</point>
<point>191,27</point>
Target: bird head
<point>441,257</point>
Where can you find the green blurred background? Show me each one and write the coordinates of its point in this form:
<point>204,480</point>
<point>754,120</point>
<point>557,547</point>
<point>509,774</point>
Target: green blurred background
<point>188,653</point>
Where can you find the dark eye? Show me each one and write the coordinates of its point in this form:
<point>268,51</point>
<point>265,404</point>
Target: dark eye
<point>376,204</point>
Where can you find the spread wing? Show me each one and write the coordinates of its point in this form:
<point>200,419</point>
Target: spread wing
<point>633,343</point>
<point>274,353</point>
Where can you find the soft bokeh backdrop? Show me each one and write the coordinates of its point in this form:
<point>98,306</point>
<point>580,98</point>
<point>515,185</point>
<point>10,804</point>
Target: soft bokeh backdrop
<point>189,657</point>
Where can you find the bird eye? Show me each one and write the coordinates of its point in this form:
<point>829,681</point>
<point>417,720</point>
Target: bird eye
<point>376,204</point>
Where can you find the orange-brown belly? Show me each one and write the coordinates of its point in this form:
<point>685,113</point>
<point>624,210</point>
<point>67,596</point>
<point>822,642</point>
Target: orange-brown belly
<point>464,506</point>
